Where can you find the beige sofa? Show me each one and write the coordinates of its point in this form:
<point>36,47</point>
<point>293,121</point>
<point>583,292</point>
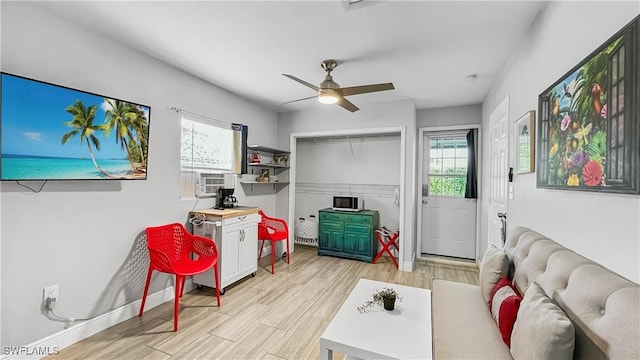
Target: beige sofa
<point>603,306</point>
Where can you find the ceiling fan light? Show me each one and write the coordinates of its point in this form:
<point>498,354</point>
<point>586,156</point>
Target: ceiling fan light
<point>327,98</point>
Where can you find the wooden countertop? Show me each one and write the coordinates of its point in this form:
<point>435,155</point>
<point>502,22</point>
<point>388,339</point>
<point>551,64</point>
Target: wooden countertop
<point>231,212</point>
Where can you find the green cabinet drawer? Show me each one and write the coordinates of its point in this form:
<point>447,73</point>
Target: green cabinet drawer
<point>330,216</point>
<point>358,219</point>
<point>346,217</point>
<point>356,228</point>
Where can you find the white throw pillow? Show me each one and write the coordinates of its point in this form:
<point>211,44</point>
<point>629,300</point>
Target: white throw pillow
<point>495,265</point>
<point>542,330</point>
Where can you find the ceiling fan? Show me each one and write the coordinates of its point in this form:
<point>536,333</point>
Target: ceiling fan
<point>329,92</point>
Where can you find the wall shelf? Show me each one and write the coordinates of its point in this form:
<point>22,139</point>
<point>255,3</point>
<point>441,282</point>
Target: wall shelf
<point>267,149</point>
<point>274,183</point>
<point>263,182</point>
<point>272,166</point>
<point>276,163</point>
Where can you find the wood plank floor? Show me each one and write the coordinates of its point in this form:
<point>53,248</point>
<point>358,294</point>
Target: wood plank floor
<point>280,316</point>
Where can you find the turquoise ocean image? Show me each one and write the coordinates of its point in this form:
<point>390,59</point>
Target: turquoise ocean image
<point>42,168</point>
<point>51,132</point>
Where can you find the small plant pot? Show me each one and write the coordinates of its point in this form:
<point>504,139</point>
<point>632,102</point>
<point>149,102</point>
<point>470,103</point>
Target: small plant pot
<point>389,303</point>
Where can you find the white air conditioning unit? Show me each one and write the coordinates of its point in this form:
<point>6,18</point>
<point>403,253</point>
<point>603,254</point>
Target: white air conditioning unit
<point>207,184</point>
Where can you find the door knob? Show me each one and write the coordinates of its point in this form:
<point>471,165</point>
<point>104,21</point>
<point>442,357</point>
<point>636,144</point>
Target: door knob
<point>425,201</point>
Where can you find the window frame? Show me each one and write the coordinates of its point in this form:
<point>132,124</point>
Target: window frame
<point>189,174</point>
<point>458,135</point>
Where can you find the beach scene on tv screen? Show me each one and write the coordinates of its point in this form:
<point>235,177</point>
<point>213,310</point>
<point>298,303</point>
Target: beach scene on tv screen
<point>56,133</point>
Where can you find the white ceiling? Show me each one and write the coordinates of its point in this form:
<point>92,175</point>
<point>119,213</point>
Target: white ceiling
<point>426,48</point>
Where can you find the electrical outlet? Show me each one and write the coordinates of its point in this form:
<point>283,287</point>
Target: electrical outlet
<point>52,292</point>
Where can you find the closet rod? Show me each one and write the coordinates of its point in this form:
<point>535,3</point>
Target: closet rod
<point>178,110</point>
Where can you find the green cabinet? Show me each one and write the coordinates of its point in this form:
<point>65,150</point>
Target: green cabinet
<point>348,234</point>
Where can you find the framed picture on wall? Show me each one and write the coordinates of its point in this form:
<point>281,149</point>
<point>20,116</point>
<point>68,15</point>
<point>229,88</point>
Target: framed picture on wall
<point>589,121</point>
<point>525,143</point>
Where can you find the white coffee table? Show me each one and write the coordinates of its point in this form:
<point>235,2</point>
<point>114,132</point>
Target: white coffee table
<point>404,333</point>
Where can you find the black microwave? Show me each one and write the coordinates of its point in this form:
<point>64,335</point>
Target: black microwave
<point>347,203</point>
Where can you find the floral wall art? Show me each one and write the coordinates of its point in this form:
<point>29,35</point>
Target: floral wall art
<point>589,121</point>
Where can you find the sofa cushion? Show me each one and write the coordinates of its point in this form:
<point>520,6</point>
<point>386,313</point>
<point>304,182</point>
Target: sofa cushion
<point>504,305</point>
<point>494,265</point>
<point>462,326</point>
<point>542,330</point>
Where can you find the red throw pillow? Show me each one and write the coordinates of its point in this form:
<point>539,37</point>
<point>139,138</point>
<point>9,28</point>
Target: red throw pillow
<point>504,305</point>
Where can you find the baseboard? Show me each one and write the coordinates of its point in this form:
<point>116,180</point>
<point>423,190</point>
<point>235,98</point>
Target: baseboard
<point>267,251</point>
<point>444,260</point>
<point>53,343</point>
<point>409,265</point>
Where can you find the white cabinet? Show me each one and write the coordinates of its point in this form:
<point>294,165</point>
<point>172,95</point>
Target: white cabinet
<point>236,238</point>
<point>240,244</point>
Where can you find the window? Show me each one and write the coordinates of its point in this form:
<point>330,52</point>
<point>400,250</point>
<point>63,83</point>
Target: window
<point>447,171</point>
<point>207,148</point>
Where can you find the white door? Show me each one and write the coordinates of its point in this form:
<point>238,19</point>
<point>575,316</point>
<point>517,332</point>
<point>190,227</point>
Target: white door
<point>499,171</point>
<point>448,219</point>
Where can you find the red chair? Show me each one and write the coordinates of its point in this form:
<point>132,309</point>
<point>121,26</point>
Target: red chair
<point>272,229</point>
<point>170,249</point>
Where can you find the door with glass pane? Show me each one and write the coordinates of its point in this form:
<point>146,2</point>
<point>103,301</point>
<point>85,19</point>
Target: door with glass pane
<point>448,219</point>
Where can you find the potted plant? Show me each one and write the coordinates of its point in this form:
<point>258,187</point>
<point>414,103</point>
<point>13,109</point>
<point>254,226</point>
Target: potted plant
<point>386,297</point>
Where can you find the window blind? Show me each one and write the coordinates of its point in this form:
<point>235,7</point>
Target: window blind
<point>206,147</point>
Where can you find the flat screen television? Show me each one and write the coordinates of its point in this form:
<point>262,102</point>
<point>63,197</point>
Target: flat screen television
<point>52,132</point>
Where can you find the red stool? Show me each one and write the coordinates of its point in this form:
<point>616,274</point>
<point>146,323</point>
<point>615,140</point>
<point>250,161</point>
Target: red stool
<point>387,238</point>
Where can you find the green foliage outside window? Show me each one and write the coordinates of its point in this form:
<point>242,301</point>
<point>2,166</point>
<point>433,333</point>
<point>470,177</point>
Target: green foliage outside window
<point>448,184</point>
<point>448,167</point>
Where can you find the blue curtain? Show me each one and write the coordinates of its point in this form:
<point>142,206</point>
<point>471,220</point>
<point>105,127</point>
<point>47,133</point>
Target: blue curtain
<point>244,133</point>
<point>471,191</point>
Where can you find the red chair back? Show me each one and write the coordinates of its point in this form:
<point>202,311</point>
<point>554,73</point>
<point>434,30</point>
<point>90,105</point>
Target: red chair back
<point>279,228</point>
<point>168,245</point>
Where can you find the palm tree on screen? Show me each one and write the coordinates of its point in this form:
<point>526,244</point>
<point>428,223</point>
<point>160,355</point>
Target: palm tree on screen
<point>82,125</point>
<point>120,119</point>
<point>140,127</point>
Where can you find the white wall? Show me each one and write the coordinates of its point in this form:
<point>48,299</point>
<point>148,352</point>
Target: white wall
<point>449,116</point>
<point>370,116</point>
<point>81,235</point>
<point>602,227</point>
<point>364,166</point>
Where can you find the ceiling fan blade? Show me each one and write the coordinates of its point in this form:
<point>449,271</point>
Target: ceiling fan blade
<point>292,101</point>
<point>301,81</point>
<point>347,104</point>
<point>354,90</point>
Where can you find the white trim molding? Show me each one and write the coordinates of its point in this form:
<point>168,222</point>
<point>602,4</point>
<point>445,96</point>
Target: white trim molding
<point>421,134</point>
<point>402,130</point>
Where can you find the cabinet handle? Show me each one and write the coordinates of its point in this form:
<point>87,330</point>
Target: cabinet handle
<point>242,217</point>
<point>242,235</point>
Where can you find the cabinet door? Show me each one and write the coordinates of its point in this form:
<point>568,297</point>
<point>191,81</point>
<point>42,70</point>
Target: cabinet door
<point>330,235</point>
<point>248,251</point>
<point>357,239</point>
<point>230,261</point>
